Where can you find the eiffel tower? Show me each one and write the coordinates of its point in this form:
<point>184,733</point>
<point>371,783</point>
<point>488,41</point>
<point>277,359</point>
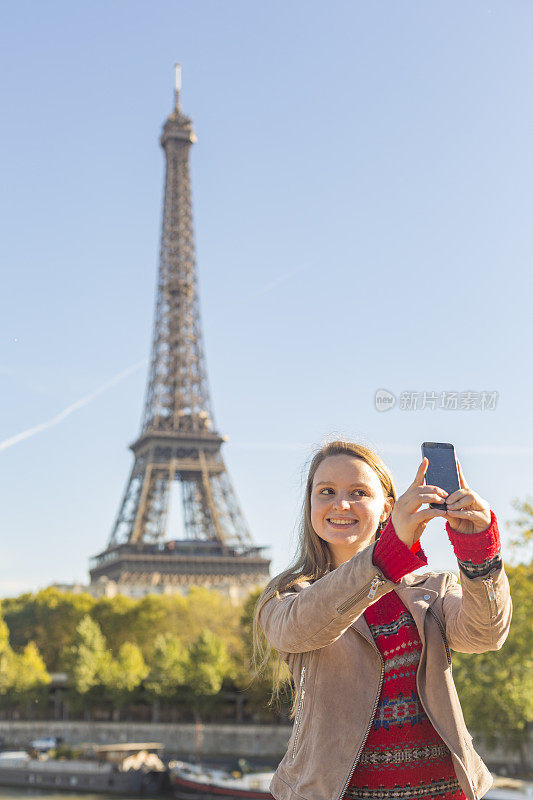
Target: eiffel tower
<point>178,439</point>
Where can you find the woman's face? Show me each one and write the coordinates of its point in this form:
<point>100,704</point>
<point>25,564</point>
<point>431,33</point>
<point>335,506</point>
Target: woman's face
<point>347,505</point>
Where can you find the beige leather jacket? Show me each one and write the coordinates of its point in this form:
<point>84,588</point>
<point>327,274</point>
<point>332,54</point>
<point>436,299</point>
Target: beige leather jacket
<point>320,631</point>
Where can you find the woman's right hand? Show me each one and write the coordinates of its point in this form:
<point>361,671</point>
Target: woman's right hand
<point>409,523</point>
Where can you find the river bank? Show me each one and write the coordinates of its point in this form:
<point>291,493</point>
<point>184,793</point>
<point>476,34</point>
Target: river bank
<point>262,745</point>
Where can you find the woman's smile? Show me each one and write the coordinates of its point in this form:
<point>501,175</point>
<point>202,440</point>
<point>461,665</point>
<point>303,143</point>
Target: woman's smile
<point>341,522</point>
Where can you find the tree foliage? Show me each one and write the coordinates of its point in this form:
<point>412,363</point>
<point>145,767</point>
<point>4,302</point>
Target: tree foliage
<point>87,660</point>
<point>168,666</point>
<point>48,618</point>
<point>258,688</point>
<point>174,647</point>
<point>522,542</point>
<point>496,688</point>
<point>207,664</point>
<point>8,667</point>
<point>22,675</point>
<point>125,673</point>
<point>31,675</point>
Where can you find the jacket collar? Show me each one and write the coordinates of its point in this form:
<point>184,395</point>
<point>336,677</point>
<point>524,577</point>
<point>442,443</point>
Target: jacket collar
<point>414,595</point>
<point>413,580</point>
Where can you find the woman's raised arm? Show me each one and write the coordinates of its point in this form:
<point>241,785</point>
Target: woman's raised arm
<point>478,612</point>
<point>315,615</point>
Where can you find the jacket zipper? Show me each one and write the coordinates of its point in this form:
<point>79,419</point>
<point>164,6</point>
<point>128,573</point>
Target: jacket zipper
<point>433,721</point>
<point>301,692</point>
<point>491,594</point>
<point>369,591</point>
<point>443,634</point>
<point>376,701</point>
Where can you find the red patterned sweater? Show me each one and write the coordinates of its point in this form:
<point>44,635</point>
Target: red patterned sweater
<point>403,757</point>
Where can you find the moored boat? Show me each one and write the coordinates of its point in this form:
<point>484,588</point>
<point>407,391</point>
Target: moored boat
<point>139,773</point>
<point>505,788</point>
<point>195,782</point>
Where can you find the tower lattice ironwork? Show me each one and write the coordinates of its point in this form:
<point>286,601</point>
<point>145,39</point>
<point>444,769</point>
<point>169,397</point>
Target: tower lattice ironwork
<point>178,440</point>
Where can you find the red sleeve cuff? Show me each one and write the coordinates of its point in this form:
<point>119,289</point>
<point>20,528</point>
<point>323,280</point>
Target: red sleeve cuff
<point>394,558</point>
<point>476,547</point>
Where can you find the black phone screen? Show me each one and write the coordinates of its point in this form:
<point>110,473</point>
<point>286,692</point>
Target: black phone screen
<point>442,469</point>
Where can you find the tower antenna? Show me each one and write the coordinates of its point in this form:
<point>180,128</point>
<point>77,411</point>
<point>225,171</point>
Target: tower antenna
<point>177,84</point>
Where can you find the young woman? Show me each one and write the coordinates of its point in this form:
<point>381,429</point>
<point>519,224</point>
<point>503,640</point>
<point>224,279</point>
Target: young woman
<point>376,713</point>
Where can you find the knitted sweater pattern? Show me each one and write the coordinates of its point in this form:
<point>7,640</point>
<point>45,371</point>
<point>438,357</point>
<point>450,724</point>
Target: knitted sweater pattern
<point>403,757</point>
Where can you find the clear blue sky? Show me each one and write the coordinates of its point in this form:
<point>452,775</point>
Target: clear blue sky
<point>363,210</point>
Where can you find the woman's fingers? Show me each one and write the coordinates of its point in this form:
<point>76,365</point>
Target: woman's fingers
<point>435,489</point>
<point>426,515</point>
<point>458,496</point>
<point>408,519</point>
<point>415,504</point>
<point>466,514</point>
<point>420,498</point>
<point>421,471</point>
<point>464,509</point>
<point>424,494</point>
<point>463,498</point>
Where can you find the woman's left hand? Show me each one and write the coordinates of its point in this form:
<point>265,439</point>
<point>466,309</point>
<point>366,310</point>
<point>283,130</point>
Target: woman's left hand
<point>466,511</point>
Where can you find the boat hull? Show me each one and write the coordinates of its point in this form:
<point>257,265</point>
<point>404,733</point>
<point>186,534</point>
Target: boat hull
<point>186,789</point>
<point>109,782</point>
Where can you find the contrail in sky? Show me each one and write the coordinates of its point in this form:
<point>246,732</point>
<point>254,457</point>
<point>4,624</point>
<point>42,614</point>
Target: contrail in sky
<point>277,281</point>
<point>19,437</point>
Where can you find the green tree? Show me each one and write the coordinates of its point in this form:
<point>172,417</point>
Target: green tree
<point>167,672</point>
<point>87,661</point>
<point>149,617</point>
<point>114,616</point>
<point>258,688</point>
<point>207,664</point>
<point>496,688</point>
<point>209,609</point>
<point>8,668</point>
<point>23,676</point>
<point>31,677</point>
<point>48,618</point>
<point>124,674</point>
<point>522,542</point>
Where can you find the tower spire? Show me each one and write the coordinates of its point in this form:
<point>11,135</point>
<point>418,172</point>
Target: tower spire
<point>177,85</point>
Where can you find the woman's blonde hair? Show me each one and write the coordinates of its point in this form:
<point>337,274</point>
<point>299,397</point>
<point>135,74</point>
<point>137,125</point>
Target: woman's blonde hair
<point>312,559</point>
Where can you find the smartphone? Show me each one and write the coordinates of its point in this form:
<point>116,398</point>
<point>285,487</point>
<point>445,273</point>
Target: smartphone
<point>442,469</point>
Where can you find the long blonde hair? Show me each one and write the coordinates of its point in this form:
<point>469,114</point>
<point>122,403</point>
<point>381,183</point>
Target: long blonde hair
<point>312,559</point>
